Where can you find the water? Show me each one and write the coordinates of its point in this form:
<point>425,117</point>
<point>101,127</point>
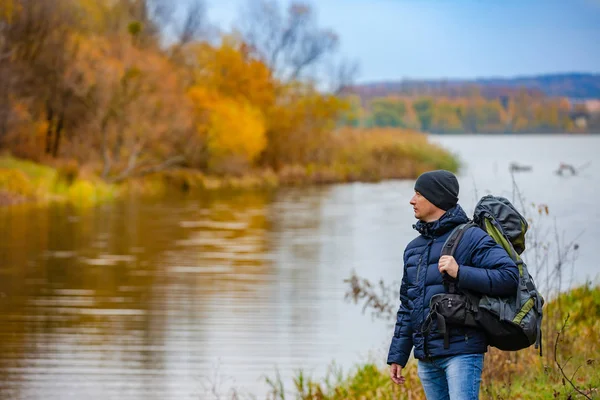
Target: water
<point>182,298</point>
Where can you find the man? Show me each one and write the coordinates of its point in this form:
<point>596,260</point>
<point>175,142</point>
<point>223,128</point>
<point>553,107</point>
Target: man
<point>478,265</point>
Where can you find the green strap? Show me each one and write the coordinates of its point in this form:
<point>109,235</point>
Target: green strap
<point>502,241</point>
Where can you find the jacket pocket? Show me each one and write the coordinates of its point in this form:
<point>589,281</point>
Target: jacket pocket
<point>452,310</point>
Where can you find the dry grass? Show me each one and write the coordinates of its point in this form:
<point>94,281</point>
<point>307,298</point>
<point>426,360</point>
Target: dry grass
<point>507,375</point>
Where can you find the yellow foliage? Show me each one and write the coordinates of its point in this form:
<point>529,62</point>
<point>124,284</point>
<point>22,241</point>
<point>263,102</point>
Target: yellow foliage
<point>82,193</point>
<point>8,8</point>
<point>230,127</point>
<point>15,182</point>
<point>237,129</point>
<point>94,13</point>
<point>231,95</point>
<point>231,72</point>
<point>300,126</point>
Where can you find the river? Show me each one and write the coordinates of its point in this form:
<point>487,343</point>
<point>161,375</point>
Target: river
<point>182,298</point>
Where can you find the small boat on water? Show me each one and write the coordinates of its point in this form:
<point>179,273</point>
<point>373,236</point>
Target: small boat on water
<point>515,167</point>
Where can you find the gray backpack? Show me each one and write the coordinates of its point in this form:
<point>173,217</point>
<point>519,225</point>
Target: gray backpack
<point>510,323</point>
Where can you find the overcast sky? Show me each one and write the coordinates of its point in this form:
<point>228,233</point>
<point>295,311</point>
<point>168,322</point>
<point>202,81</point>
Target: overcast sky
<point>395,39</point>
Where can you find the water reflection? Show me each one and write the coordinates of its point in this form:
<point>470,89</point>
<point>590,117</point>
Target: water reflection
<point>125,290</point>
<point>164,299</point>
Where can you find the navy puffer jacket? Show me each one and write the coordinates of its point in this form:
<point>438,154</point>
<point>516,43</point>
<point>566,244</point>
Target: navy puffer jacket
<point>484,267</point>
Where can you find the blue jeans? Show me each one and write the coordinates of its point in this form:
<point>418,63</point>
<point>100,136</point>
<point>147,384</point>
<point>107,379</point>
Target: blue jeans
<point>452,378</point>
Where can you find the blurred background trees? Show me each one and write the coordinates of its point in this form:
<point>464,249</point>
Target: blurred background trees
<point>132,86</point>
<point>473,113</point>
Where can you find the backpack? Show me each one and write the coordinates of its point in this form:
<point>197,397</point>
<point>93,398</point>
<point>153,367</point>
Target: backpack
<point>510,323</point>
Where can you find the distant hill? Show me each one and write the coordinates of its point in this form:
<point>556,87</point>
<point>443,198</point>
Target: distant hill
<point>574,86</point>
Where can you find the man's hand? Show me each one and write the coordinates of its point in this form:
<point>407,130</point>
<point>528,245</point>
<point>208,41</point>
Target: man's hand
<point>396,374</point>
<point>448,265</point>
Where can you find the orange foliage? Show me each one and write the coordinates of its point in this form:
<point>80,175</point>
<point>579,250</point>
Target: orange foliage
<point>136,103</point>
<point>231,128</point>
<point>230,95</point>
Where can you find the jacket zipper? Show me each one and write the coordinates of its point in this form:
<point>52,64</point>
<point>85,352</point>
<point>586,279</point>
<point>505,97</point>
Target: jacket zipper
<point>419,266</point>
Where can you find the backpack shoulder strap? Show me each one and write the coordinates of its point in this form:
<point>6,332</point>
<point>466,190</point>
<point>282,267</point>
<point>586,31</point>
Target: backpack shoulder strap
<point>453,239</point>
<point>449,248</point>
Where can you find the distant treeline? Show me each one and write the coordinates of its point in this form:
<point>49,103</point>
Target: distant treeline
<point>523,112</point>
<point>573,85</point>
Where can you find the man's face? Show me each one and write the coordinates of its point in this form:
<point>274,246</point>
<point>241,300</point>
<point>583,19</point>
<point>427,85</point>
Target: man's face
<point>422,207</point>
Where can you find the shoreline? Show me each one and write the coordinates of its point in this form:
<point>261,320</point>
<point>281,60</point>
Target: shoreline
<point>186,182</point>
<point>368,156</point>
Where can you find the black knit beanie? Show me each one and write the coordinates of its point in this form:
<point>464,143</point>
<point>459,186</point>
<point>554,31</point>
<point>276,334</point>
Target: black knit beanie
<point>439,187</point>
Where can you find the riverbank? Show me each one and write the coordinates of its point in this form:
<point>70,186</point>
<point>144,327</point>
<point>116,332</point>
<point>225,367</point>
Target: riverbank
<point>568,319</point>
<point>359,156</point>
<point>24,181</point>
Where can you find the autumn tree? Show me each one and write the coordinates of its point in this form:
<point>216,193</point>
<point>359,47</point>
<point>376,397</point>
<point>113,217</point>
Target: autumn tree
<point>232,94</point>
<point>35,41</point>
<point>446,118</point>
<point>193,24</point>
<point>137,107</point>
<point>340,75</point>
<point>393,112</point>
<point>289,42</point>
<point>233,130</point>
<point>424,109</point>
<point>141,18</point>
<point>231,70</point>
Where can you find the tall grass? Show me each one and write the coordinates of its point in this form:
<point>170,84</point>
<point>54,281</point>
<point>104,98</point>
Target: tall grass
<point>389,153</point>
<point>507,375</point>
<point>371,155</point>
<point>23,180</point>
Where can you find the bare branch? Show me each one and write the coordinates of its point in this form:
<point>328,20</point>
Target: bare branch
<point>194,23</point>
<point>560,367</point>
<point>161,11</point>
<point>149,170</point>
<point>378,298</point>
<point>289,44</point>
<point>342,76</point>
